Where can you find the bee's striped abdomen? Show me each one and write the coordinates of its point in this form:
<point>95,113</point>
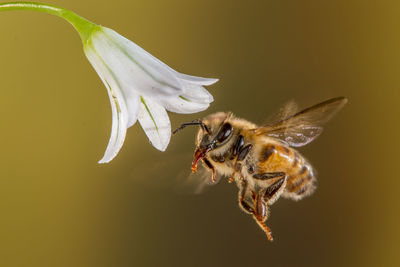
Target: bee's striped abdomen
<point>300,179</point>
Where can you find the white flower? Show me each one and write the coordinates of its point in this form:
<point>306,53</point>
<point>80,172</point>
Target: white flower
<point>141,88</point>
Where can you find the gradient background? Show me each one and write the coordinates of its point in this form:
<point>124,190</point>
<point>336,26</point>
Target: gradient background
<point>60,208</point>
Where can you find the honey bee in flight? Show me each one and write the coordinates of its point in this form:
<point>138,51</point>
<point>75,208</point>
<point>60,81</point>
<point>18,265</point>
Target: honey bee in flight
<point>261,160</point>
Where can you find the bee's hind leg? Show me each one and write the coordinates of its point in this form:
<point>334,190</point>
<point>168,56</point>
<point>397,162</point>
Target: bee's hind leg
<point>267,196</point>
<point>261,213</point>
<point>258,210</point>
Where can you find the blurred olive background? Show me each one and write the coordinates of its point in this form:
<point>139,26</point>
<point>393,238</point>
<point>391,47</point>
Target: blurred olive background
<point>60,208</point>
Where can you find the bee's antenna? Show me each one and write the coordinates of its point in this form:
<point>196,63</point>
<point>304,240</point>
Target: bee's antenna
<point>195,122</point>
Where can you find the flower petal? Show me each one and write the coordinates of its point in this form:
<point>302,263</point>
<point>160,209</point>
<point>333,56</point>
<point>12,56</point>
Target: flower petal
<point>183,105</point>
<point>118,130</point>
<point>196,79</point>
<point>136,69</point>
<point>197,94</point>
<point>155,122</point>
<point>148,58</point>
<point>120,115</point>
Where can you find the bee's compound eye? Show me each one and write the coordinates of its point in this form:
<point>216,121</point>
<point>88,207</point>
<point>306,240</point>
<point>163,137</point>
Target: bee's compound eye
<point>224,133</point>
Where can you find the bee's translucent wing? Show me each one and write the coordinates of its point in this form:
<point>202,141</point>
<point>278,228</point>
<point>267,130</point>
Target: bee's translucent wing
<point>290,108</point>
<point>174,173</point>
<point>301,128</point>
<point>297,136</point>
<point>196,183</point>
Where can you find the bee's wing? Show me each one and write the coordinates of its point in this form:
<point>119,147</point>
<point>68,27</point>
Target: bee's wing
<point>174,173</point>
<point>301,128</point>
<point>197,183</point>
<point>290,108</point>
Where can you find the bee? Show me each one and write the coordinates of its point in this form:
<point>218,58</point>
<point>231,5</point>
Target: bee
<point>261,160</point>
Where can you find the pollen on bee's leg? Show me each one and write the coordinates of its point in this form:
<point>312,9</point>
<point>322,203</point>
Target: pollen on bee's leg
<point>194,165</point>
<point>198,155</point>
<point>194,169</point>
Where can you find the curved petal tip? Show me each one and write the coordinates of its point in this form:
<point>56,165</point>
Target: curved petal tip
<point>197,80</point>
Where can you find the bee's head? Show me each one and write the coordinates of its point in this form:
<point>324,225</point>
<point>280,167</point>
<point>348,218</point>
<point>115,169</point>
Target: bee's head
<point>215,130</point>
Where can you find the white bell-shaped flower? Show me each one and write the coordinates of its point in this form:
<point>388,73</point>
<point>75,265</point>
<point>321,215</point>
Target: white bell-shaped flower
<point>141,87</point>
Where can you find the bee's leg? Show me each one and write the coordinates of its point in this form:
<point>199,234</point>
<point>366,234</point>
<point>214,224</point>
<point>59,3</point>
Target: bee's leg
<point>273,192</point>
<point>268,175</point>
<point>264,197</point>
<point>246,207</point>
<point>238,166</point>
<point>241,151</point>
<point>232,177</point>
<point>259,210</point>
<point>261,213</point>
<point>211,167</point>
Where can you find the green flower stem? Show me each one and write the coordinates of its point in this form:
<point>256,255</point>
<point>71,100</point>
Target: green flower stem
<point>82,25</point>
